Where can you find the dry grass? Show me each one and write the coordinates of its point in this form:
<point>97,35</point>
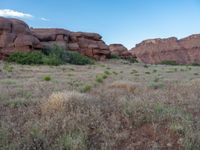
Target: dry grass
<point>122,113</point>
<point>124,85</point>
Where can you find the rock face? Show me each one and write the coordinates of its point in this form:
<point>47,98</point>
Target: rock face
<point>119,50</point>
<point>183,51</point>
<point>89,44</point>
<point>15,35</point>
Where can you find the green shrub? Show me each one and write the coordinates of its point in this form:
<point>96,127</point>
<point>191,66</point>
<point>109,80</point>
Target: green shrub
<point>100,78</point>
<point>115,73</point>
<point>7,67</point>
<point>147,72</point>
<point>26,58</point>
<point>16,103</point>
<point>52,60</point>
<point>113,56</point>
<point>69,56</point>
<point>132,59</point>
<point>156,85</point>
<point>154,71</point>
<point>169,62</point>
<point>78,59</point>
<point>85,88</point>
<point>129,59</point>
<point>107,72</point>
<point>195,64</point>
<point>55,56</point>
<point>47,78</point>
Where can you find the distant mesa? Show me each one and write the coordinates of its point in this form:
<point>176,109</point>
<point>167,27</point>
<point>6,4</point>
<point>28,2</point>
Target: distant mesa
<point>15,35</point>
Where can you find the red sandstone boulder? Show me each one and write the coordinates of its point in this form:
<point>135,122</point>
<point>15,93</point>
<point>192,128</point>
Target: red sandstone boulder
<point>89,44</point>
<point>45,35</point>
<point>93,36</point>
<point>184,51</point>
<point>19,27</point>
<point>15,34</point>
<point>119,50</point>
<point>26,40</point>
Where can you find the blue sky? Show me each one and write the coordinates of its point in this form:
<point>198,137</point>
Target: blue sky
<point>118,21</point>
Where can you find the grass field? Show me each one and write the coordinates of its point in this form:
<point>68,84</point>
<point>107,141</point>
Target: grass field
<point>112,105</point>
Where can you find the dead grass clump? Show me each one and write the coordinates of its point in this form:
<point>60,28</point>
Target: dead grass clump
<point>58,101</point>
<point>124,85</point>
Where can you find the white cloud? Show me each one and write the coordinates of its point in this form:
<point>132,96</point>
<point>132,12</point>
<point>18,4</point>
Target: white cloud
<point>18,14</point>
<point>13,13</point>
<point>44,19</point>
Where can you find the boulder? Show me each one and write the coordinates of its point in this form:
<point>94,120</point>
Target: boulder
<point>51,34</point>
<point>19,27</point>
<point>26,40</point>
<point>119,50</point>
<point>93,36</point>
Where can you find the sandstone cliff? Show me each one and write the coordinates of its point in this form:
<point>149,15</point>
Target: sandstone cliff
<point>183,51</point>
<point>15,35</point>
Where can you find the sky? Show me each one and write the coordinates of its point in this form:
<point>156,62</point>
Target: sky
<point>119,21</point>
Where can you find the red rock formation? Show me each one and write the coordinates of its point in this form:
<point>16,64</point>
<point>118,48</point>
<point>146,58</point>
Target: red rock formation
<point>119,50</point>
<point>89,44</point>
<point>16,35</point>
<point>183,51</point>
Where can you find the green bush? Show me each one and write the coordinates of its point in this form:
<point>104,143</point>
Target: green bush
<point>100,78</point>
<point>78,59</point>
<point>129,59</point>
<point>86,88</point>
<point>132,60</point>
<point>54,56</point>
<point>195,64</point>
<point>112,56</point>
<point>107,72</point>
<point>47,78</point>
<point>51,60</point>
<point>169,62</point>
<point>26,58</point>
<point>7,67</point>
<point>68,56</point>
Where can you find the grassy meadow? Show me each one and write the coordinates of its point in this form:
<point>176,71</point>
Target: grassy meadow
<point>111,105</point>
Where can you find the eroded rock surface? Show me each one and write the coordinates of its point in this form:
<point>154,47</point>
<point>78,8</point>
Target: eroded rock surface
<point>119,50</point>
<point>183,51</point>
<point>15,35</point>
